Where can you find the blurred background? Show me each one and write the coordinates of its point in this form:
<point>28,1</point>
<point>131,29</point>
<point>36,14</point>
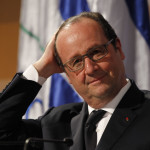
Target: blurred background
<point>29,17</point>
<point>9,33</point>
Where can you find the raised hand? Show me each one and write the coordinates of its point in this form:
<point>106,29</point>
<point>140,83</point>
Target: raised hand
<point>47,65</point>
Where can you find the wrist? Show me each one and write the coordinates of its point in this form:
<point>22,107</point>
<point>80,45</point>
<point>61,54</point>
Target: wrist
<point>32,74</point>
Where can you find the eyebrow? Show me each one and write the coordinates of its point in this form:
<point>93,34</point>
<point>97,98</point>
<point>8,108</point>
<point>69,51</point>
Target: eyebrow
<point>95,46</point>
<point>89,49</point>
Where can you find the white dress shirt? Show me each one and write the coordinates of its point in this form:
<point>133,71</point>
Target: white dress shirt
<point>32,74</point>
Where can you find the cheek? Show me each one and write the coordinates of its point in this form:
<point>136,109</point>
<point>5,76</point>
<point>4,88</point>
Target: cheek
<point>105,67</point>
<point>110,67</point>
<point>76,79</point>
<point>116,69</point>
<point>78,82</point>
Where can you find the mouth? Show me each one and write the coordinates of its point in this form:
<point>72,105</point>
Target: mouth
<point>97,80</point>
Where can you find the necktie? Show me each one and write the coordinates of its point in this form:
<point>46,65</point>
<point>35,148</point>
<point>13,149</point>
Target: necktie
<point>90,129</point>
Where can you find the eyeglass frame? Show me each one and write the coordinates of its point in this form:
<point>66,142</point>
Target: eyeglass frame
<point>87,55</point>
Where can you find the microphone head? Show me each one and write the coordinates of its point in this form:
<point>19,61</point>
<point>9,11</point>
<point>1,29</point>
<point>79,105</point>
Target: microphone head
<point>68,141</point>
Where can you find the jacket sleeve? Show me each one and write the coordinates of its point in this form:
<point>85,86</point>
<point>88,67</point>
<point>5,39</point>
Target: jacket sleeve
<point>14,101</point>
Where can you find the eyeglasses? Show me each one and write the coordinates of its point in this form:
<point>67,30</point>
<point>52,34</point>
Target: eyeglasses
<point>95,54</point>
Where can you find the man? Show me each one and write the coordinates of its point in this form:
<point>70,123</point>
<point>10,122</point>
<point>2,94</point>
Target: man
<point>89,52</point>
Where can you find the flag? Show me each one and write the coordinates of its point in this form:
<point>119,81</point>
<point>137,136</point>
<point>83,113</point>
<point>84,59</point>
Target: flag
<point>40,20</point>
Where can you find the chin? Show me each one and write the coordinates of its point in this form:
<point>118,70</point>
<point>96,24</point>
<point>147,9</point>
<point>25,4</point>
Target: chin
<point>102,92</point>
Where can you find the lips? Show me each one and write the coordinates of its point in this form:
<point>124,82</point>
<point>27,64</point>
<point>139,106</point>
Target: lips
<point>96,80</point>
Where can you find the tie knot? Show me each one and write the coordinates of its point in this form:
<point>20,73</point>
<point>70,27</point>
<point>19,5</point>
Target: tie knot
<point>95,117</point>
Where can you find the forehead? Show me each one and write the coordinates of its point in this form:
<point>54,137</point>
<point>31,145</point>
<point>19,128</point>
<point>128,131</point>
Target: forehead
<point>80,25</point>
<point>79,36</point>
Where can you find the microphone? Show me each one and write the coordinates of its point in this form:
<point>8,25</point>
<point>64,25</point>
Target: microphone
<point>33,141</point>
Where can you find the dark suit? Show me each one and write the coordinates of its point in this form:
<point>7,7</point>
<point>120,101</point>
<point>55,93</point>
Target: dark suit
<point>128,128</point>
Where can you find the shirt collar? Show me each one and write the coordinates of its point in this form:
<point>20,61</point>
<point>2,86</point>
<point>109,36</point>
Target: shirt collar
<point>111,106</point>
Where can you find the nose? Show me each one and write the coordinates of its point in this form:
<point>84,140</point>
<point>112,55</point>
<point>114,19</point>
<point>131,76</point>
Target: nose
<point>90,66</point>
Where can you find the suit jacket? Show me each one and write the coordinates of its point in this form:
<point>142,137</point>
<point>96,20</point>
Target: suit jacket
<point>128,128</point>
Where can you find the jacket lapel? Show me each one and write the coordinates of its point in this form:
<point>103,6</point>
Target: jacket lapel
<point>122,117</point>
<point>77,128</point>
<point>115,128</point>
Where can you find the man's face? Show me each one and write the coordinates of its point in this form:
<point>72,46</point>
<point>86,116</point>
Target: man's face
<point>98,82</point>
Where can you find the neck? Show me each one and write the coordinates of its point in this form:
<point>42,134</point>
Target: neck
<point>100,101</point>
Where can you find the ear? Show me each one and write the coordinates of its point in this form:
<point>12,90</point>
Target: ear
<point>119,49</point>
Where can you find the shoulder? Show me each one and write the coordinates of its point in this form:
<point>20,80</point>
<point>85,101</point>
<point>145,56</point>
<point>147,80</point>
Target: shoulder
<point>69,108</point>
<point>139,93</point>
<point>63,112</point>
<point>145,100</point>
<point>146,93</point>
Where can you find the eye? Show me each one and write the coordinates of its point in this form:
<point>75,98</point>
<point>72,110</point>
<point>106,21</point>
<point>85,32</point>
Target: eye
<point>98,50</point>
<point>76,62</point>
